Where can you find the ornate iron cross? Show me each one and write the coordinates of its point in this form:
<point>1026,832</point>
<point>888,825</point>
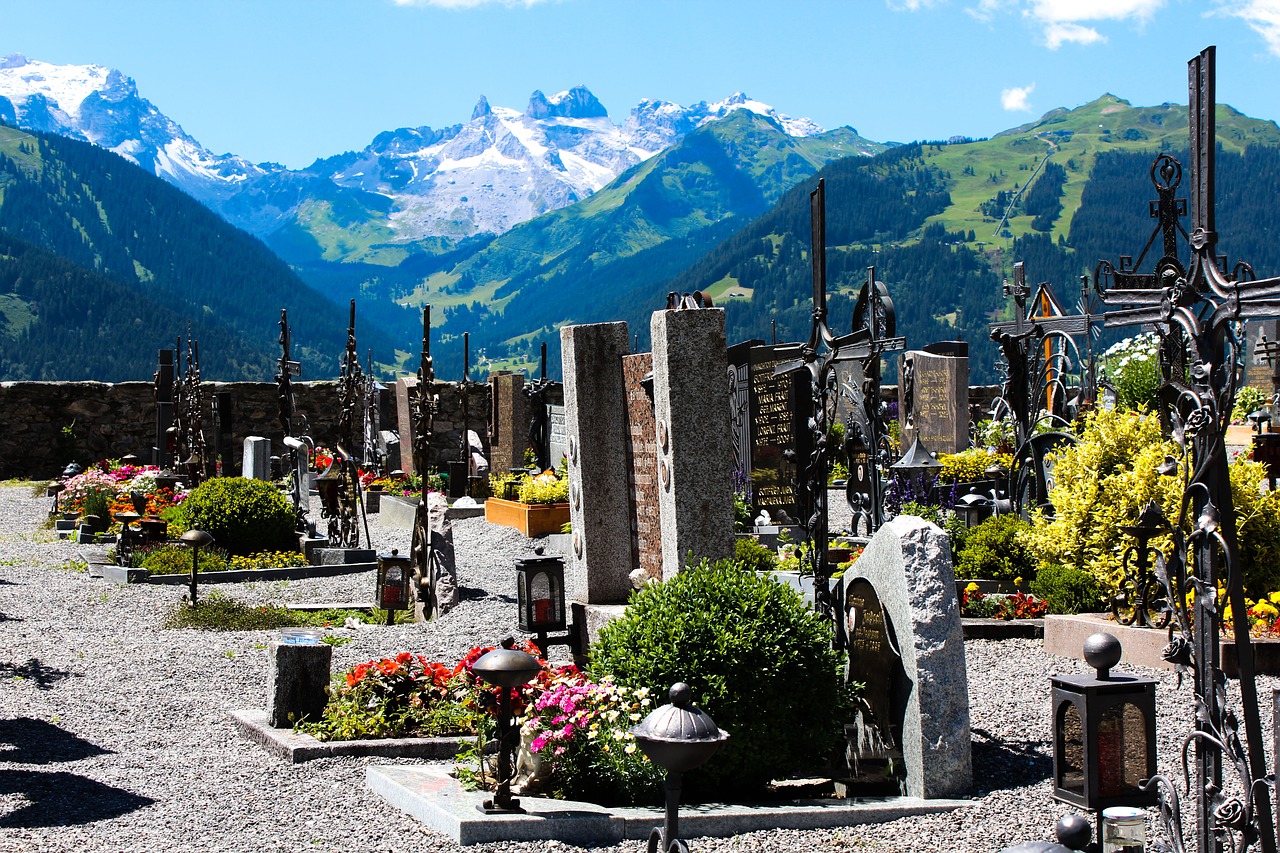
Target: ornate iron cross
<point>819,355</point>
<point>1201,309</point>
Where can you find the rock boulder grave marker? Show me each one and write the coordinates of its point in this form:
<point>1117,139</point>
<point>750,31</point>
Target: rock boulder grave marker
<point>907,567</point>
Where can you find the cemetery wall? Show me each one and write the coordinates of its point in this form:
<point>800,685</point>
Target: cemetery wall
<point>45,425</point>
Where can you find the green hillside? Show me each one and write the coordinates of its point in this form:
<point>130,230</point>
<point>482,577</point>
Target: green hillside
<point>163,257</point>
<point>1071,189</point>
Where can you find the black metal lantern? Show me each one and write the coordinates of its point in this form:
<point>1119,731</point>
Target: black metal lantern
<point>56,489</point>
<point>1260,420</point>
<point>196,539</point>
<point>540,589</point>
<point>916,463</point>
<point>677,737</point>
<point>1104,733</point>
<point>974,509</point>
<point>505,668</point>
<point>394,573</point>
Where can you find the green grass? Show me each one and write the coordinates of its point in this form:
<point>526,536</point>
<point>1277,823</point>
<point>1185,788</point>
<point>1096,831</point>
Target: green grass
<point>17,315</point>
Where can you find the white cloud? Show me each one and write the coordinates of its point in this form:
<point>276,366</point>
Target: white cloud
<point>987,9</point>
<point>1015,99</point>
<point>1057,34</point>
<point>467,4</point>
<point>1072,11</point>
<point>912,5</point>
<point>1262,16</point>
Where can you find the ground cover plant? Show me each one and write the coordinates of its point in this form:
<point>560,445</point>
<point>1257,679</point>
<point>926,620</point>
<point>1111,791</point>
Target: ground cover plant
<point>218,612</point>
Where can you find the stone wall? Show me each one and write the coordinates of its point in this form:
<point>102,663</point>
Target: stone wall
<point>45,425</point>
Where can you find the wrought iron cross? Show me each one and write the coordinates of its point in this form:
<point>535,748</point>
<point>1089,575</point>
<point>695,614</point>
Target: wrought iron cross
<point>819,355</point>
<point>1202,308</point>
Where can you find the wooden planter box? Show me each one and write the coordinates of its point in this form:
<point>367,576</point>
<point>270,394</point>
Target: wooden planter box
<point>530,519</point>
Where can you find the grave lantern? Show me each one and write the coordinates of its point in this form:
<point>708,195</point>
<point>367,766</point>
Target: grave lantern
<point>678,738</point>
<point>394,574</point>
<point>196,539</point>
<point>974,508</point>
<point>1104,733</point>
<point>540,590</point>
<point>1260,420</point>
<point>56,489</point>
<point>505,668</point>
<point>916,465</point>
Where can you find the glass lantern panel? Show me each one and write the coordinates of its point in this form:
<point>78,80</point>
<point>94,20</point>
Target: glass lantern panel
<point>1122,750</point>
<point>1069,736</point>
<point>545,596</point>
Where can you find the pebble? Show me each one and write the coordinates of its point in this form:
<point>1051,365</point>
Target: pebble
<point>117,736</point>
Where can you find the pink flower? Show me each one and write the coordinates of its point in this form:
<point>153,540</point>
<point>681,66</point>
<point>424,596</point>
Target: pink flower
<point>538,744</point>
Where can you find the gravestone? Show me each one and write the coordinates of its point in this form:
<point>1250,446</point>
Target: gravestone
<point>406,389</point>
<point>933,397</point>
<point>691,411</point>
<point>642,465</point>
<point>873,750</point>
<point>905,576</point>
<point>297,681</point>
<point>557,433</point>
<point>1257,372</point>
<point>257,458</point>
<point>778,410</point>
<point>509,422</point>
<point>599,495</point>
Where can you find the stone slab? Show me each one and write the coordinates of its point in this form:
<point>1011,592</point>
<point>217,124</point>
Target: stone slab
<point>436,799</point>
<point>297,748</point>
<point>1003,629</point>
<point>343,556</point>
<point>599,615</point>
<point>399,512</point>
<point>121,575</point>
<point>1065,635</point>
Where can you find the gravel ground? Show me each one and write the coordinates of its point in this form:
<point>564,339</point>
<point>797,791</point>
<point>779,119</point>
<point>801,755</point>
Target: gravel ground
<point>118,737</point>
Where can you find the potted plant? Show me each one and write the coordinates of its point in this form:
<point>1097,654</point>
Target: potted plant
<point>541,504</point>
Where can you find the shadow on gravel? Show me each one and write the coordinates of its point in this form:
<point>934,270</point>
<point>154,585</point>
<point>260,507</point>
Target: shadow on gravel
<point>44,676</point>
<point>63,799</point>
<point>38,742</point>
<point>6,618</point>
<point>1001,764</point>
<point>471,593</point>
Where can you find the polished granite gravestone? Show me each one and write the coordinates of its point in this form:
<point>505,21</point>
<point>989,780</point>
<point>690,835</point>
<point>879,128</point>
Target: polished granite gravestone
<point>933,398</point>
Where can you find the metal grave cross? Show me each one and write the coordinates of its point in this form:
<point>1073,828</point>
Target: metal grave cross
<point>819,355</point>
<point>1200,308</point>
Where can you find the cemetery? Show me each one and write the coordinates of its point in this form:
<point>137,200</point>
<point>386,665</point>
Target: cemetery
<point>714,596</point>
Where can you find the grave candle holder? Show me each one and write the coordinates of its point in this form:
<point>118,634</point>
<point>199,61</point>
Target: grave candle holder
<point>1104,733</point>
<point>394,574</point>
<point>541,597</point>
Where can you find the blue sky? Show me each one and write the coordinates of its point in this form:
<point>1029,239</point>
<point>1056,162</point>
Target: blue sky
<point>293,80</point>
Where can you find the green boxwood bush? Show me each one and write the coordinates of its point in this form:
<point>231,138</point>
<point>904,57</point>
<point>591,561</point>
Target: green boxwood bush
<point>757,659</point>
<point>1068,590</point>
<point>992,550</point>
<point>241,515</point>
<point>751,556</point>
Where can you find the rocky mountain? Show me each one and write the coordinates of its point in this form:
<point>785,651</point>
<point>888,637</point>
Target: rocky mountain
<point>411,185</point>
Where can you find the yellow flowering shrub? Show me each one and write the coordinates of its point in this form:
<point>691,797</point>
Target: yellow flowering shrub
<point>1102,484</point>
<point>970,465</point>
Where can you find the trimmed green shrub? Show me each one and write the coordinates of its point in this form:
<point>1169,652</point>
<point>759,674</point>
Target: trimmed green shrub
<point>992,551</point>
<point>751,556</point>
<point>241,515</point>
<point>757,659</point>
<point>1068,590</point>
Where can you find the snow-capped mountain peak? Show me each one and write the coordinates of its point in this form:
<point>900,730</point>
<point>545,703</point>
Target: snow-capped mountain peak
<point>487,175</point>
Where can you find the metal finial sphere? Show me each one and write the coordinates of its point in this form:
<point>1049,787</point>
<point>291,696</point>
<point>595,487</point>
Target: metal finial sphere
<point>1102,651</point>
<point>1074,831</point>
<point>680,694</point>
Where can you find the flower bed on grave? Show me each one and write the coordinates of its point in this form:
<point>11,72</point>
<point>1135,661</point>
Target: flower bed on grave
<point>106,488</point>
<point>533,504</point>
<point>758,661</point>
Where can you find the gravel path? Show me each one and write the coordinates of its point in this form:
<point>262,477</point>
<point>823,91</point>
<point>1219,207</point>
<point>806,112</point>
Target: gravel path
<point>118,739</point>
